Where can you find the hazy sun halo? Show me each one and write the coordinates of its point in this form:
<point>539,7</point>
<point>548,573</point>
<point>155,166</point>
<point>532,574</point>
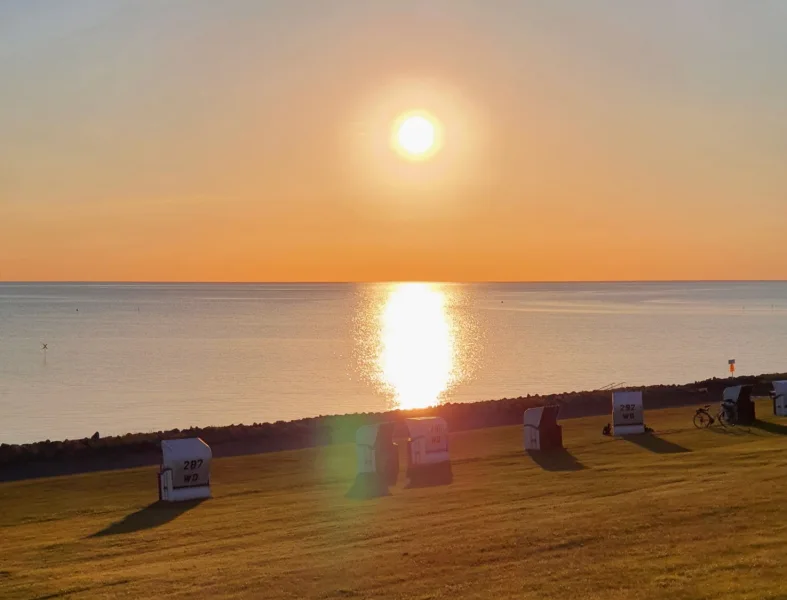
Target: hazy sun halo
<point>415,135</point>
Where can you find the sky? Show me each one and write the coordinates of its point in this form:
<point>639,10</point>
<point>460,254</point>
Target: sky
<point>248,140</point>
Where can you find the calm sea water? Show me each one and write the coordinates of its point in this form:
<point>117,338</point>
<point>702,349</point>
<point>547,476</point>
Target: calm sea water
<point>132,357</point>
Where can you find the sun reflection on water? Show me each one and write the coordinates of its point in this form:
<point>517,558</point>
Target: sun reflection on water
<point>416,357</point>
<point>417,345</point>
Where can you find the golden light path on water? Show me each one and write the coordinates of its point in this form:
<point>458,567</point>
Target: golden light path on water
<point>418,343</point>
<point>416,357</point>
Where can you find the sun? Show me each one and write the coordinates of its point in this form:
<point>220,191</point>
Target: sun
<point>416,135</point>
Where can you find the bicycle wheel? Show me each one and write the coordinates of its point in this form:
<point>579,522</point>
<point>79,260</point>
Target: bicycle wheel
<point>701,420</point>
<point>724,419</point>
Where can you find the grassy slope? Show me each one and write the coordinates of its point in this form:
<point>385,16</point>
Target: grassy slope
<point>633,523</point>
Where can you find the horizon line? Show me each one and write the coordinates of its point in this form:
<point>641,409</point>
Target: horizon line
<point>372,281</point>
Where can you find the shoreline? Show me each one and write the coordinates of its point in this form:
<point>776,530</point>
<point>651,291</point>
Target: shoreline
<point>69,457</point>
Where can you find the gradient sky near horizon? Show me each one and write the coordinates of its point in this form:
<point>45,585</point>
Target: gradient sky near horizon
<point>244,140</point>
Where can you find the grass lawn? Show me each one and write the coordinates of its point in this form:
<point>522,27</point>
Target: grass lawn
<point>688,514</point>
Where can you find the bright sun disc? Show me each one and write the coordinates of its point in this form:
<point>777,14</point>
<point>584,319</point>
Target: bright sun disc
<point>415,136</point>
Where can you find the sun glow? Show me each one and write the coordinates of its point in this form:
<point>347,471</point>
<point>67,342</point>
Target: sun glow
<point>416,135</point>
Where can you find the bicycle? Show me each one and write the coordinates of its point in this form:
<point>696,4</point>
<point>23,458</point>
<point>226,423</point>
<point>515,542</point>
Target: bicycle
<point>703,418</point>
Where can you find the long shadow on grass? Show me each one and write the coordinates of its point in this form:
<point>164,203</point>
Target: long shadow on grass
<point>556,460</point>
<point>733,431</point>
<point>150,517</point>
<point>430,476</point>
<point>655,444</point>
<point>775,428</point>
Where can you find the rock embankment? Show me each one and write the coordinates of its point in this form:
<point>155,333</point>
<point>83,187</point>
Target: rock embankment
<point>24,461</point>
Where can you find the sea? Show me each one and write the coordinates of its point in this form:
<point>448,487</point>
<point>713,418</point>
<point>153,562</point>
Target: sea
<point>80,358</point>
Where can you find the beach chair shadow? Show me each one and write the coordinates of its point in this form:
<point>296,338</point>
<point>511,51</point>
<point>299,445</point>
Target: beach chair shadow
<point>556,460</point>
<point>775,428</point>
<point>150,517</point>
<point>433,476</point>
<point>654,443</point>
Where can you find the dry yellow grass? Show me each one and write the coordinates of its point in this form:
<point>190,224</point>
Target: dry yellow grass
<point>694,514</point>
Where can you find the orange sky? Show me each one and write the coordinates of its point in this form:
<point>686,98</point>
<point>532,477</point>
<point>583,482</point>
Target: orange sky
<point>249,142</point>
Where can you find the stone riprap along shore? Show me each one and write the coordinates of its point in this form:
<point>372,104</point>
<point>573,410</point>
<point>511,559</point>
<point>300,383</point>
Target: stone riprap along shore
<point>94,453</point>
